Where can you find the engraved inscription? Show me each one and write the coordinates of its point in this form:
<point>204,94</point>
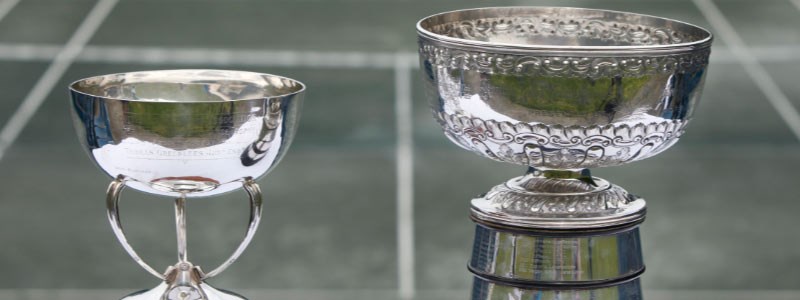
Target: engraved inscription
<point>147,153</point>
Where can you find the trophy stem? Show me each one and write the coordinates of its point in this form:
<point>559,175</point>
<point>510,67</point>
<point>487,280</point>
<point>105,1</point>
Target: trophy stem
<point>183,280</point>
<point>582,175</point>
<point>180,226</point>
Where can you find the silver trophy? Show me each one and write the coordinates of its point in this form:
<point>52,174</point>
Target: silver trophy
<point>185,134</point>
<point>560,90</point>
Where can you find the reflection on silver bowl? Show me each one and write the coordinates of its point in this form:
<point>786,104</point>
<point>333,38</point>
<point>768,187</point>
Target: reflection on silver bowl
<point>185,133</point>
<point>198,132</point>
<point>562,88</point>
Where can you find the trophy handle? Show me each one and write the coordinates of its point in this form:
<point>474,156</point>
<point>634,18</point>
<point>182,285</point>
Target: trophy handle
<point>254,193</point>
<point>112,210</point>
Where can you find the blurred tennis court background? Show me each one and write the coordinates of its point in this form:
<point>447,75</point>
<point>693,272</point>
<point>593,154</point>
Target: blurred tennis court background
<point>371,201</point>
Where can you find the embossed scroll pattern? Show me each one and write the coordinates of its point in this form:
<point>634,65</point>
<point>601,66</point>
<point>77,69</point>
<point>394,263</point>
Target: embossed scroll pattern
<point>560,147</point>
<point>562,66</point>
<point>615,33</point>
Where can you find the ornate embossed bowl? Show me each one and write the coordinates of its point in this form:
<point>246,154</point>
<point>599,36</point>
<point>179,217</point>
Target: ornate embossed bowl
<point>562,88</point>
<point>193,132</point>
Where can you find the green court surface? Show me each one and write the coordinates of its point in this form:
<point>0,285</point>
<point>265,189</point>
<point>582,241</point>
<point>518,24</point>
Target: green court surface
<point>722,204</point>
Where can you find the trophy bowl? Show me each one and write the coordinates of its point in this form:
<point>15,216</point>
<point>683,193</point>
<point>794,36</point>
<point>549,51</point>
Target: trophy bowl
<point>185,133</point>
<point>197,132</point>
<point>560,90</point>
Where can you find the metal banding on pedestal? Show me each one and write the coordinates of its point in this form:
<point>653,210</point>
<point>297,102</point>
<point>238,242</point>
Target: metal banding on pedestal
<point>581,241</point>
<point>487,290</point>
<point>598,263</point>
<point>552,261</point>
<point>575,235</point>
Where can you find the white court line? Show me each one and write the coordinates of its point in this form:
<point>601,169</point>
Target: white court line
<point>7,6</point>
<point>53,73</point>
<point>205,56</point>
<point>28,52</point>
<point>751,65</point>
<point>315,59</point>
<point>405,177</point>
<point>312,59</point>
<point>272,58</point>
<point>776,53</point>
<point>796,3</point>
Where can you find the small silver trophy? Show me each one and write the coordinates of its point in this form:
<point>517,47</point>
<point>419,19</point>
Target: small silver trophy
<point>560,90</point>
<point>185,134</point>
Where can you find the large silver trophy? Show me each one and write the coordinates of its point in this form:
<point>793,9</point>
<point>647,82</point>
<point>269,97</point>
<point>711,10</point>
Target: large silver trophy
<point>185,134</point>
<point>560,90</point>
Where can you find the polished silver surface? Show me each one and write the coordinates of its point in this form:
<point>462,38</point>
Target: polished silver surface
<point>209,292</point>
<point>185,133</point>
<point>556,259</point>
<point>536,201</point>
<point>196,132</point>
<point>183,281</point>
<point>112,204</point>
<point>560,90</point>
<point>486,290</point>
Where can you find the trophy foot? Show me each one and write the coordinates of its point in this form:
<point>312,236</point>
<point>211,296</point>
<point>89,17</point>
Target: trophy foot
<point>184,282</point>
<point>159,291</point>
<point>555,235</point>
<point>487,290</point>
<point>558,200</point>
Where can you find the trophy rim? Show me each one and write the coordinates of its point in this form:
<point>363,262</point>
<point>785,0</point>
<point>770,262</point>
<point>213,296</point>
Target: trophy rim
<point>302,87</point>
<point>704,42</point>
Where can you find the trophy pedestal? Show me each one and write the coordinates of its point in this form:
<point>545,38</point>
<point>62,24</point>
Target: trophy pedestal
<point>557,238</point>
<point>560,90</point>
<point>184,282</point>
<point>157,293</point>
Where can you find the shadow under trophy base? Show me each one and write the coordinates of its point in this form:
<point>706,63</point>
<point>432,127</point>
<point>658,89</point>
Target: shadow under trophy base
<point>560,90</point>
<point>185,134</point>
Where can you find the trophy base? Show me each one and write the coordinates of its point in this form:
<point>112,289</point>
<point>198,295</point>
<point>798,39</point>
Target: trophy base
<point>160,293</point>
<point>184,282</point>
<point>487,290</point>
<point>578,202</point>
<point>557,238</point>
